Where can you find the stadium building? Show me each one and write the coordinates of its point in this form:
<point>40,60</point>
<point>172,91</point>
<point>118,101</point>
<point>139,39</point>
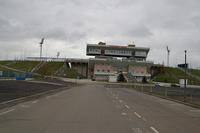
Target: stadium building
<point>112,60</point>
<point>108,62</point>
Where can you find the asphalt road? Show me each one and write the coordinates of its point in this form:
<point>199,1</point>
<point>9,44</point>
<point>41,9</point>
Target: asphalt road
<point>12,89</point>
<point>96,109</point>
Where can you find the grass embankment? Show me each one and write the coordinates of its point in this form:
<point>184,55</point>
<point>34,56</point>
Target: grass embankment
<point>20,65</point>
<point>195,72</point>
<point>172,75</point>
<point>3,69</point>
<point>6,62</point>
<point>50,68</point>
<point>23,65</point>
<point>71,73</point>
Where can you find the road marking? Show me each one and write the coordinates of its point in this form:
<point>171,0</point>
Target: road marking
<point>47,97</point>
<point>197,110</point>
<point>120,101</point>
<point>137,130</point>
<point>127,106</point>
<point>3,113</point>
<point>152,128</point>
<point>145,120</point>
<point>25,106</point>
<point>123,113</point>
<point>55,95</point>
<point>34,101</point>
<point>139,116</point>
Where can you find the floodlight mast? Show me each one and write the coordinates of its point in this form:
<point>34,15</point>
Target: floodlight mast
<point>58,54</point>
<point>168,53</point>
<point>41,43</point>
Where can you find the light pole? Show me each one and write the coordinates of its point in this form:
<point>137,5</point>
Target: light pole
<point>168,53</point>
<point>185,74</point>
<point>41,43</point>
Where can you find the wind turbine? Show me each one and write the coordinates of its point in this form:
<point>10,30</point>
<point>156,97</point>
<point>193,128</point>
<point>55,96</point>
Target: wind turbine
<point>168,53</point>
<point>41,43</point>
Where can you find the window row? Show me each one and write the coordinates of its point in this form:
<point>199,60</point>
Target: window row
<point>122,52</point>
<point>103,70</point>
<point>94,50</point>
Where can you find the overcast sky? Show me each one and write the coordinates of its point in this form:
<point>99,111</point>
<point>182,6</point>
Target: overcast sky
<point>68,25</point>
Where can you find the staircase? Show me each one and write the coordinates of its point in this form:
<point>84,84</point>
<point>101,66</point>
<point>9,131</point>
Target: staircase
<point>61,70</point>
<point>38,66</point>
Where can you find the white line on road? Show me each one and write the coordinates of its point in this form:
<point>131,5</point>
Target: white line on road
<point>47,97</point>
<point>33,102</point>
<point>197,110</point>
<point>3,113</point>
<point>123,113</point>
<point>25,106</point>
<point>145,120</point>
<point>137,130</point>
<point>139,116</point>
<point>127,106</point>
<point>55,95</point>
<point>120,101</point>
<point>152,128</point>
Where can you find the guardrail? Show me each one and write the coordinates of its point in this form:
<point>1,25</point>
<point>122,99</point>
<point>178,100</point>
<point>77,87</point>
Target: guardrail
<point>189,96</point>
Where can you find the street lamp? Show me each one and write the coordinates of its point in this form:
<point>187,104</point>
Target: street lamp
<point>185,74</point>
<point>41,43</point>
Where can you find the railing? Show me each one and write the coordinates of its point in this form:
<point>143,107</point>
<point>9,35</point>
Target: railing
<point>190,96</point>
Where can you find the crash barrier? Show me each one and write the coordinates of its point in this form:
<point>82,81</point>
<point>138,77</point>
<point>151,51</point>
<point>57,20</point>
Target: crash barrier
<point>189,95</point>
<point>185,95</point>
<point>18,76</point>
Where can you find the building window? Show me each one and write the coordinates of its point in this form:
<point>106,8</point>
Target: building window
<point>108,71</point>
<point>103,70</point>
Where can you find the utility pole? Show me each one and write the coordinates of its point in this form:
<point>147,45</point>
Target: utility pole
<point>41,43</point>
<point>185,75</point>
<point>168,53</point>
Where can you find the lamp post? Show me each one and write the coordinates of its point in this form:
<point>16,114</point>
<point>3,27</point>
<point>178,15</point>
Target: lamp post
<point>185,74</point>
<point>41,43</point>
<point>168,52</point>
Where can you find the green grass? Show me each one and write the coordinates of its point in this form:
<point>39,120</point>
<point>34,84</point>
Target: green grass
<point>50,68</point>
<point>3,69</point>
<point>23,65</point>
<point>71,73</point>
<point>6,62</point>
<point>172,75</point>
<point>195,72</point>
<point>20,65</point>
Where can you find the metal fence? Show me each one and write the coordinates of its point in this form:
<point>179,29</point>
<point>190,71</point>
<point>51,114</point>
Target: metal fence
<point>188,95</point>
<point>11,74</point>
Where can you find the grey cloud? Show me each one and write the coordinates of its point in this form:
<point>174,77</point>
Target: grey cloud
<point>154,23</point>
<point>139,31</point>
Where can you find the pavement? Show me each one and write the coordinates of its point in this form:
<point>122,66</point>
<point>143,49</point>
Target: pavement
<point>93,108</point>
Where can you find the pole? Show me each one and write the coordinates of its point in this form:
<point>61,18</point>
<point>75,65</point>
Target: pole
<point>168,58</point>
<point>185,74</point>
<point>168,52</point>
<point>40,52</point>
<point>42,41</point>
